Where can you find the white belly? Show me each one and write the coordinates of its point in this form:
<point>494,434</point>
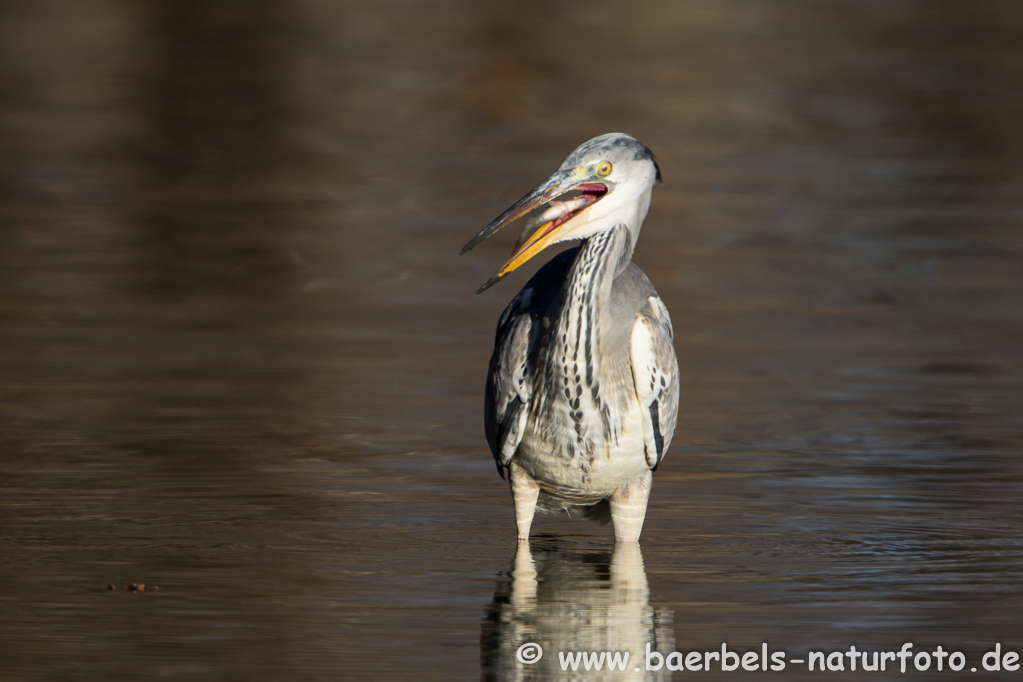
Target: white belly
<point>588,471</point>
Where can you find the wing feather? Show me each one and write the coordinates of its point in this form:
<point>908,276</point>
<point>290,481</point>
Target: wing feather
<point>509,382</point>
<point>655,371</point>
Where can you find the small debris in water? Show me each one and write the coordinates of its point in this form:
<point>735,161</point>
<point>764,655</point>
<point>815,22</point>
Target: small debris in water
<point>136,587</point>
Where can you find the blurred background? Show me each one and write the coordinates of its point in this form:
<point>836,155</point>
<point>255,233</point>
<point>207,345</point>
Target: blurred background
<point>240,358</point>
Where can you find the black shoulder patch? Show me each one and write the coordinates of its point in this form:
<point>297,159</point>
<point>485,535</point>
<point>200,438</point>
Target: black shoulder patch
<point>658,438</point>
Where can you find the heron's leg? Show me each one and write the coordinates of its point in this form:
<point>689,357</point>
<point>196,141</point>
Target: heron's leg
<point>524,493</point>
<point>628,509</point>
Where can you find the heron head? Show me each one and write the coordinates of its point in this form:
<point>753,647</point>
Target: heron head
<point>605,182</point>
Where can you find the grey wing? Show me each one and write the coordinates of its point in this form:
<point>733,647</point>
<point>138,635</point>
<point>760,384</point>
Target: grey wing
<point>655,371</point>
<point>509,382</point>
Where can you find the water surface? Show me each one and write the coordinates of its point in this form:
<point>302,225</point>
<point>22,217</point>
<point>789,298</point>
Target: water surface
<point>242,361</point>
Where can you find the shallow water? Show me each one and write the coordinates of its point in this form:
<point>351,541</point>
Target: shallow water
<point>242,361</point>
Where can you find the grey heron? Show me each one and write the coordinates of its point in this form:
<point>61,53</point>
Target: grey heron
<point>582,393</point>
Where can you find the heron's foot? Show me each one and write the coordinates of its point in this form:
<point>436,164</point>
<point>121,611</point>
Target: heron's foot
<point>628,509</point>
<point>525,492</point>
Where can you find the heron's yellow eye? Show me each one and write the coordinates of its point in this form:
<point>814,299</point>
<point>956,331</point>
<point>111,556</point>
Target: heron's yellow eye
<point>604,169</point>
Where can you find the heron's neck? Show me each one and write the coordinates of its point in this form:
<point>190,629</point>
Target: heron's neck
<point>601,258</point>
<point>587,300</point>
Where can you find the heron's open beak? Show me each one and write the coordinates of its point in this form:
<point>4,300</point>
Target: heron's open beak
<point>552,225</point>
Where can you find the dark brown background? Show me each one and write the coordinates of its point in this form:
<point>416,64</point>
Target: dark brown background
<point>241,359</point>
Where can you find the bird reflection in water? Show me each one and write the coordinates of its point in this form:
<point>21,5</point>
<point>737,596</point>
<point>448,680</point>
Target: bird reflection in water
<point>569,601</point>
